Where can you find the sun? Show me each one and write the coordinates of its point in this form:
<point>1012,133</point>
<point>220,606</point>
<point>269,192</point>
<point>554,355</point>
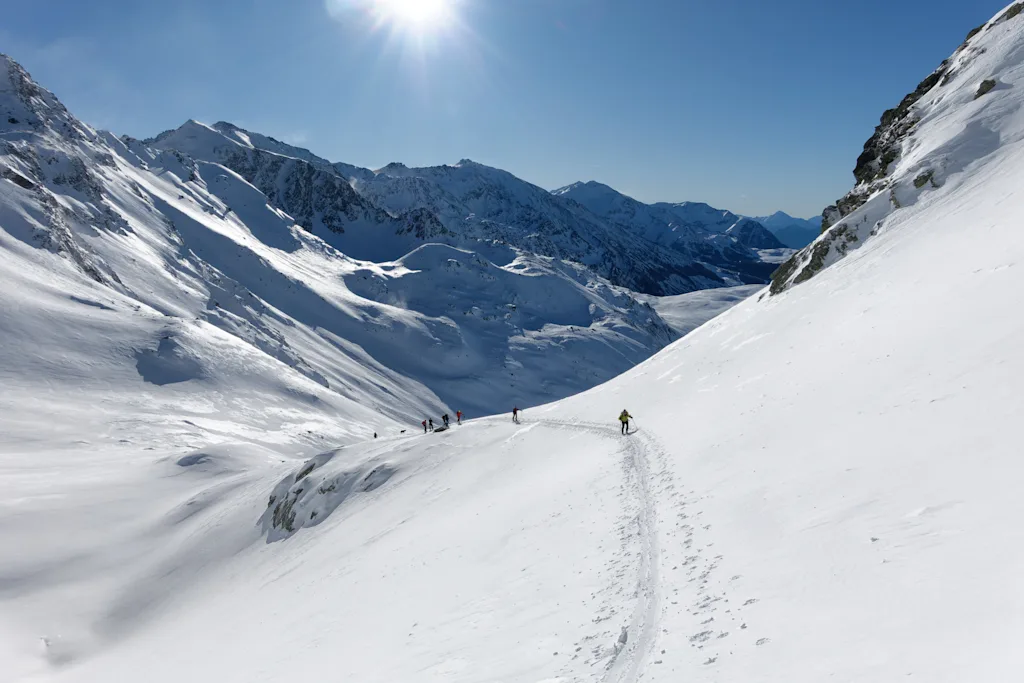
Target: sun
<point>419,16</point>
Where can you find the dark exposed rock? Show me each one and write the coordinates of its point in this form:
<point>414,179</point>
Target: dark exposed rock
<point>16,178</point>
<point>1013,11</point>
<point>923,179</point>
<point>423,224</point>
<point>882,148</point>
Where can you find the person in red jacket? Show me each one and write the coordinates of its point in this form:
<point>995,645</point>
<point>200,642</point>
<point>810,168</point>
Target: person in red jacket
<point>458,417</point>
<point>424,423</point>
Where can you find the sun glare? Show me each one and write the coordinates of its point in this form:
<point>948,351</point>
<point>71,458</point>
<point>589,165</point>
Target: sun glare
<point>421,16</point>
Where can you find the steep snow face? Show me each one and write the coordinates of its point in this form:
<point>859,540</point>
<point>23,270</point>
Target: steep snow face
<point>194,299</point>
<point>812,486</point>
<point>307,188</point>
<point>961,116</point>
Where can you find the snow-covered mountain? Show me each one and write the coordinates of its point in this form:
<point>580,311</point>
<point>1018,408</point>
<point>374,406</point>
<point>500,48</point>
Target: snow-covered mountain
<point>307,188</point>
<point>382,215</point>
<point>795,233</point>
<point>819,485</point>
<point>927,149</point>
<point>198,270</point>
<point>701,232</point>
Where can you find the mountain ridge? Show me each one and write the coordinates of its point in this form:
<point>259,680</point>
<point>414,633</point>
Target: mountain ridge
<point>469,202</point>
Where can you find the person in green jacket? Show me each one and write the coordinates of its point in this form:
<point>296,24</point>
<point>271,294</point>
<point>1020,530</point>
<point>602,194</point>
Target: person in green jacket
<point>624,418</point>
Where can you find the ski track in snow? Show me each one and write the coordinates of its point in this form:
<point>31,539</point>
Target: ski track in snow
<point>652,484</point>
<point>630,658</point>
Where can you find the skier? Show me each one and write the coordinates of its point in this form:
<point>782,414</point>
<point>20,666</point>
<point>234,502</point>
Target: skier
<point>624,418</point>
<point>515,414</point>
<point>445,418</point>
<point>458,417</point>
<point>424,423</point>
<point>431,421</point>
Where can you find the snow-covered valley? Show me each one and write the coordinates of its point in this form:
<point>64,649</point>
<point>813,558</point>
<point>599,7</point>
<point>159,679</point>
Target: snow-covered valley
<point>820,484</point>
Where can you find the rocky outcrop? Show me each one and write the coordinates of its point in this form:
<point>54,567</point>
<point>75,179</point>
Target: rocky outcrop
<point>884,181</point>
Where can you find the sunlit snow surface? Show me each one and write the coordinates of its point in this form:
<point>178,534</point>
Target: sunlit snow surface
<point>823,485</point>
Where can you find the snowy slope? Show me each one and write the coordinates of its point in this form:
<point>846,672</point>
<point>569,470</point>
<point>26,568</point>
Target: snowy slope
<point>824,486</point>
<point>684,313</point>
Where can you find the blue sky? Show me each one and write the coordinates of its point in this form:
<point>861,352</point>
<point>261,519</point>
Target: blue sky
<point>744,104</point>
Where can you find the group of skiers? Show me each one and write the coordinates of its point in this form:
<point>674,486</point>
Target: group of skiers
<point>428,424</point>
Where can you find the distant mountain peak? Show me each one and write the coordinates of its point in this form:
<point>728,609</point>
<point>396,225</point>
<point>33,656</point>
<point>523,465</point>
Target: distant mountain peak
<point>795,233</point>
<point>393,167</point>
<point>568,188</point>
<point>591,191</point>
<point>28,106</point>
<point>687,227</point>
